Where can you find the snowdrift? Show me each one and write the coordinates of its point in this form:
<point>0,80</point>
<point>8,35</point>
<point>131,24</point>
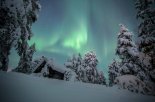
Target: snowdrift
<point>17,87</point>
<point>134,84</point>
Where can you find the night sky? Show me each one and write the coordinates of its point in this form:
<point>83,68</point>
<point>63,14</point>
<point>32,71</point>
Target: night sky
<point>67,27</point>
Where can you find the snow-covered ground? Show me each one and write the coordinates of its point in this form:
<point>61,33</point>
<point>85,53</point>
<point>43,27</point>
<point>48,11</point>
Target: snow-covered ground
<point>17,87</point>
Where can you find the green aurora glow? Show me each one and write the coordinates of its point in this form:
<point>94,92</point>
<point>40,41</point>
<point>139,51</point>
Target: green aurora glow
<point>67,27</point>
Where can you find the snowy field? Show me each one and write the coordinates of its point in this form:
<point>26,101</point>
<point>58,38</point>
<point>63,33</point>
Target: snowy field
<point>16,87</point>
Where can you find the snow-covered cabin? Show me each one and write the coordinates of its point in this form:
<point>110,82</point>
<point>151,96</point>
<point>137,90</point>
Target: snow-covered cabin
<point>44,67</point>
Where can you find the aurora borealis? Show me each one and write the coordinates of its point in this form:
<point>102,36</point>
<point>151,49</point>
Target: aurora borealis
<point>67,27</point>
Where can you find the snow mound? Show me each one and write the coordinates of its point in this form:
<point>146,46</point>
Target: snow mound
<point>133,84</point>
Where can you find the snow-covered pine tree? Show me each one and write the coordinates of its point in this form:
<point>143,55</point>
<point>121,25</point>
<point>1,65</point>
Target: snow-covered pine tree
<point>16,19</point>
<point>130,62</point>
<point>74,62</point>
<point>85,68</point>
<point>126,48</point>
<point>146,34</point>
<point>101,79</point>
<point>27,18</point>
<point>129,66</point>
<point>113,71</point>
<point>90,65</point>
<point>25,64</point>
<point>9,30</point>
<point>128,53</point>
<point>91,62</point>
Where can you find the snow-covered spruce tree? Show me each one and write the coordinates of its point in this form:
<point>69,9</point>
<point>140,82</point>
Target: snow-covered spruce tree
<point>15,26</point>
<point>27,18</point>
<point>9,30</point>
<point>113,71</point>
<point>90,65</point>
<point>129,66</point>
<point>75,63</point>
<point>26,62</point>
<point>146,34</point>
<point>128,53</point>
<point>101,79</point>
<point>85,68</point>
<point>126,48</point>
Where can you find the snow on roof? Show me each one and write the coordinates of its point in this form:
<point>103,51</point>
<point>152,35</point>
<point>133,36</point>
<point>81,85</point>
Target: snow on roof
<point>51,63</point>
<point>56,66</point>
<point>40,60</point>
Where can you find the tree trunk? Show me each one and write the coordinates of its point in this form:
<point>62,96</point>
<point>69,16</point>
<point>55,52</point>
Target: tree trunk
<point>4,62</point>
